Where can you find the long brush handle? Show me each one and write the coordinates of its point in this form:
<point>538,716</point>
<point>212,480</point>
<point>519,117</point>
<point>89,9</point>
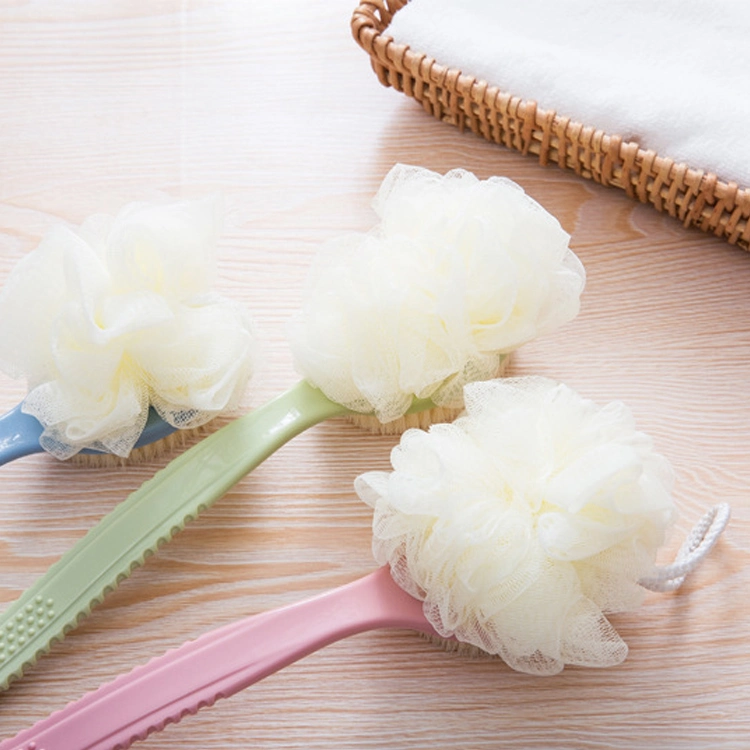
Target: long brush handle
<point>219,664</point>
<point>122,540</point>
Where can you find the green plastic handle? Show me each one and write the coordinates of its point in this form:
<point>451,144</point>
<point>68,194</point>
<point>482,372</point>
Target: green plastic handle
<point>148,518</point>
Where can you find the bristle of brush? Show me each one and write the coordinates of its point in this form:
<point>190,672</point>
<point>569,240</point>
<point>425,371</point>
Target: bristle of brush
<point>173,443</point>
<point>419,420</point>
<point>451,645</point>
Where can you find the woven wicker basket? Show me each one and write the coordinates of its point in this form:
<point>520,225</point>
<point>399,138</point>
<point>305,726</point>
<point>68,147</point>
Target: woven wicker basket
<point>695,197</point>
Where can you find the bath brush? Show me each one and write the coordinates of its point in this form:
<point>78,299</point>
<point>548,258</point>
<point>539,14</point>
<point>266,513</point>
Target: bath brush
<point>119,335</point>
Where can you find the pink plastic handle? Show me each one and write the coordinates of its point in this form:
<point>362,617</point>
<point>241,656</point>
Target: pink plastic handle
<point>219,664</point>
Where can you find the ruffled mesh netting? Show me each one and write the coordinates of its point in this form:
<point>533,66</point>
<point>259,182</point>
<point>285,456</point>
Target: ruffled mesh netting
<point>457,273</point>
<point>120,314</point>
<point>523,523</point>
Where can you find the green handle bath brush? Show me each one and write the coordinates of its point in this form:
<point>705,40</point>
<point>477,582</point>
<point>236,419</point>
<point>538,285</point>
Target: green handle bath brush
<point>149,517</point>
<point>122,540</point>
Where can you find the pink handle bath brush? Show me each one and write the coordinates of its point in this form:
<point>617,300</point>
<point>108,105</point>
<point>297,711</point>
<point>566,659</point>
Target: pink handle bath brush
<point>512,582</point>
<point>219,664</point>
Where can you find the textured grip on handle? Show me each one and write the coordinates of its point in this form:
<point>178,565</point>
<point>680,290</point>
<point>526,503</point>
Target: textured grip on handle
<point>149,517</point>
<point>219,664</point>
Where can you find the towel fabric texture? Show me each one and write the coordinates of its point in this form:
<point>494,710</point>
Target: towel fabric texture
<point>672,75</point>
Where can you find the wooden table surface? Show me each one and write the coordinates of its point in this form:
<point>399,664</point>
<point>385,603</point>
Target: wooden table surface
<point>275,106</point>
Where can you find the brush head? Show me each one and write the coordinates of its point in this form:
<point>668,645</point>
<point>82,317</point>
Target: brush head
<point>525,522</point>
<point>421,415</point>
<point>118,316</point>
<point>457,274</point>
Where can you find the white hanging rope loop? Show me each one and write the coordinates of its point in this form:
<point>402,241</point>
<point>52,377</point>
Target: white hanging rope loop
<point>698,544</point>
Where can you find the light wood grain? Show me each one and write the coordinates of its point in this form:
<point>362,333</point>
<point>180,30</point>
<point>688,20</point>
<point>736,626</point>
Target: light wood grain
<point>275,106</point>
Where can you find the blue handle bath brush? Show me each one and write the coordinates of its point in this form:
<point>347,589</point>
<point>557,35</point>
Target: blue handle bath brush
<point>20,434</point>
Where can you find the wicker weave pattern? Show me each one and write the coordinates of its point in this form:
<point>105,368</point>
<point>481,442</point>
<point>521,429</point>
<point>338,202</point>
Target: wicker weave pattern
<point>695,197</point>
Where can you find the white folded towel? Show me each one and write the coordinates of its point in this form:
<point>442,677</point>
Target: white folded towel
<point>672,75</point>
